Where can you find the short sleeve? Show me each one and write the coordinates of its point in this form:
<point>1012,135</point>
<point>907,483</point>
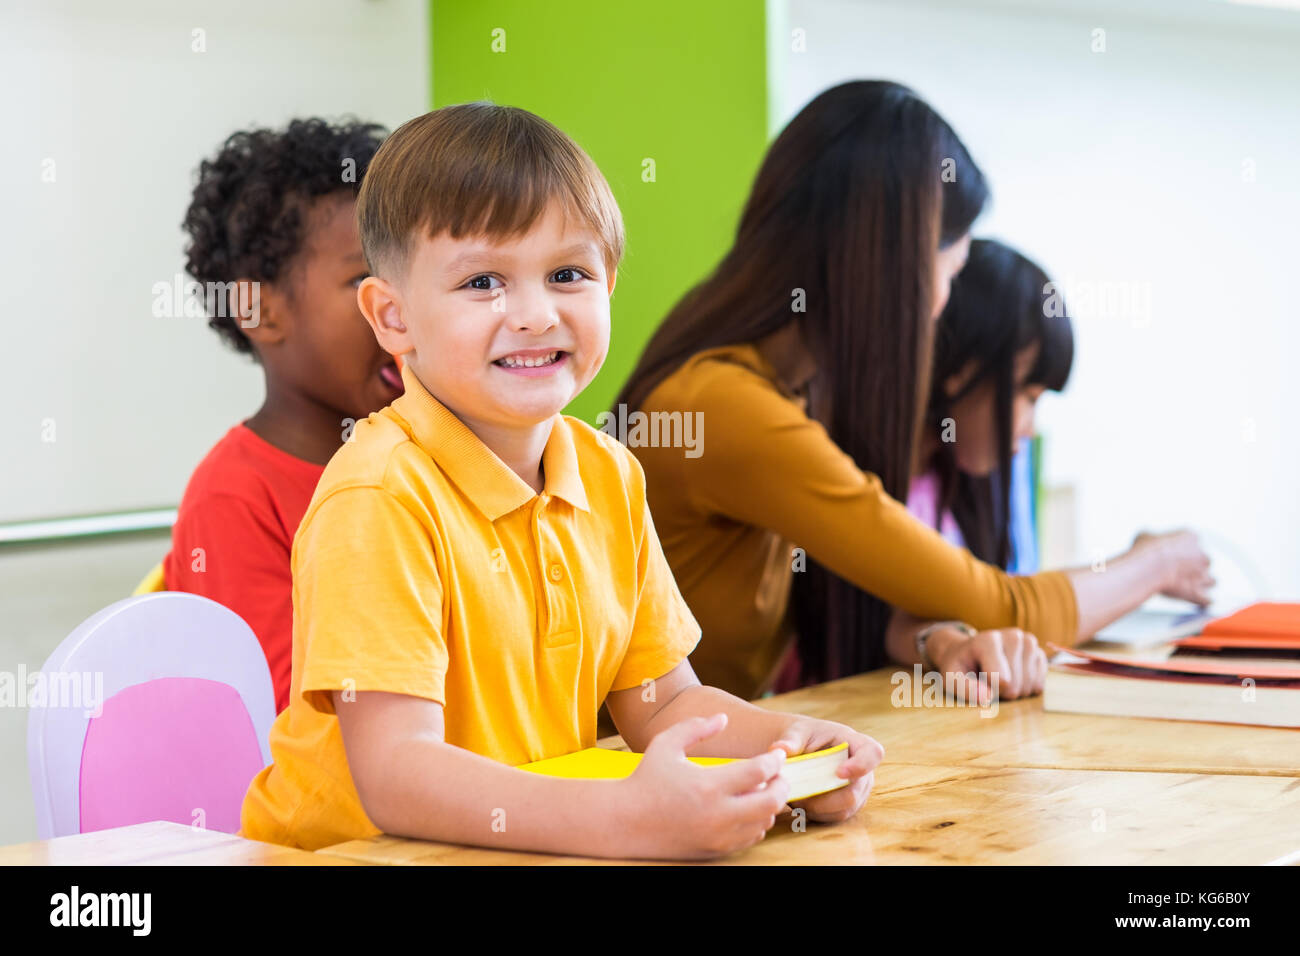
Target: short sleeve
<point>664,632</point>
<point>368,600</point>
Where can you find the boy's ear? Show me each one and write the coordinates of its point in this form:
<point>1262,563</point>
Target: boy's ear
<point>260,312</point>
<point>613,278</point>
<point>381,304</point>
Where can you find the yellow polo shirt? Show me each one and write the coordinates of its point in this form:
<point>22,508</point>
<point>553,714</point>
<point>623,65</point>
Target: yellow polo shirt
<point>425,566</point>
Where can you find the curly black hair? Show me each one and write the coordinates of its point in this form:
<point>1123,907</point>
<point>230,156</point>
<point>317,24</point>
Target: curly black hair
<point>246,215</point>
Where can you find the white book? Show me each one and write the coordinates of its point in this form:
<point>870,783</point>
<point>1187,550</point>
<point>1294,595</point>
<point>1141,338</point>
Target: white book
<point>1147,627</point>
<point>1083,687</point>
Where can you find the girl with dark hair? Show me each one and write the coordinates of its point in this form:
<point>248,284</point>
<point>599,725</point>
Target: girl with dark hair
<point>807,356</point>
<point>1003,339</point>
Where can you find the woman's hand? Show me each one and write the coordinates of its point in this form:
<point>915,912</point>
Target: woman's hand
<point>1187,566</point>
<point>1011,654</point>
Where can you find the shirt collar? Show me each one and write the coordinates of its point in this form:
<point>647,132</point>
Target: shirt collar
<point>482,477</point>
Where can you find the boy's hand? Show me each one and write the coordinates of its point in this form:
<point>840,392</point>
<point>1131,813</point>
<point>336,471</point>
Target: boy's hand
<point>806,735</point>
<point>680,810</point>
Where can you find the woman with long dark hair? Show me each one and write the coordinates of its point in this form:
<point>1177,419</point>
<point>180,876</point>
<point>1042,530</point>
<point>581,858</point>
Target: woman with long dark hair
<point>806,357</point>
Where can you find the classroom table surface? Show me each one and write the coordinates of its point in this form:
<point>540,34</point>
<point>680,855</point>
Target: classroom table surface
<point>1019,785</point>
<point>1022,734</point>
<point>158,844</point>
<point>1013,785</point>
<point>920,814</point>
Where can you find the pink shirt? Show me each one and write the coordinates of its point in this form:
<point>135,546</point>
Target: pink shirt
<point>923,499</point>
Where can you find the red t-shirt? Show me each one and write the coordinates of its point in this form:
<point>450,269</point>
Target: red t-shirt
<point>242,507</point>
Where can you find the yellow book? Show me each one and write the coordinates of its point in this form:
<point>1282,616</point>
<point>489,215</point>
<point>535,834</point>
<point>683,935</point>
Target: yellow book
<point>808,774</point>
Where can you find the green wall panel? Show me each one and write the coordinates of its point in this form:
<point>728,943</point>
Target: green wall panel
<point>681,83</point>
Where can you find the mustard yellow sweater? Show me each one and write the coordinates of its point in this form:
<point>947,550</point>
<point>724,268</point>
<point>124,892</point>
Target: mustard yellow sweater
<point>764,479</point>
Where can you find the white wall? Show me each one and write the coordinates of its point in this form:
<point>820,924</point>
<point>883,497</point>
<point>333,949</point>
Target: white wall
<point>1129,168</point>
<point>114,94</point>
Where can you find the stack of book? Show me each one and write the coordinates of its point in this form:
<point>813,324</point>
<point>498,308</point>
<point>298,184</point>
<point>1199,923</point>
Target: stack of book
<point>1240,669</point>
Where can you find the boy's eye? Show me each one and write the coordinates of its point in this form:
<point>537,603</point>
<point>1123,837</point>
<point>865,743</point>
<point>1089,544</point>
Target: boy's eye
<point>357,280</point>
<point>482,283</point>
<point>568,275</point>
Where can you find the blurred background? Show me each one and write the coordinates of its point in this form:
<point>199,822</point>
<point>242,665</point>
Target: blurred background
<point>1143,152</point>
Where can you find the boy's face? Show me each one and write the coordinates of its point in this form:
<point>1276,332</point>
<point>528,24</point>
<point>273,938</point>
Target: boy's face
<point>503,332</point>
<point>334,357</point>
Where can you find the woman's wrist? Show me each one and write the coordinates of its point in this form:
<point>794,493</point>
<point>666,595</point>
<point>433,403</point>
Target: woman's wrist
<point>933,641</point>
<point>1153,552</point>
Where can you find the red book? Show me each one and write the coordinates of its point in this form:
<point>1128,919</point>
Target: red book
<point>1235,668</point>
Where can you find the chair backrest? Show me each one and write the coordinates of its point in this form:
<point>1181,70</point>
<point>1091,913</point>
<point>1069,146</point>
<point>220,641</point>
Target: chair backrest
<point>158,707</point>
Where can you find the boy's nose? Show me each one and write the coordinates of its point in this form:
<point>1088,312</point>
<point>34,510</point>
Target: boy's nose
<point>532,314</point>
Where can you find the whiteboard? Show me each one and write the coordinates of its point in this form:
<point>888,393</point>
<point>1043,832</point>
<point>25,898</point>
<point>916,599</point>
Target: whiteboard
<point>109,408</point>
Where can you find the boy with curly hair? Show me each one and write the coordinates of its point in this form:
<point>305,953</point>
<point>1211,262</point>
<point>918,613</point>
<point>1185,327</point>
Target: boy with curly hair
<point>272,220</point>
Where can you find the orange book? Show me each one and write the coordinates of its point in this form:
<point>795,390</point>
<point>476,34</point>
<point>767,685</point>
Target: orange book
<point>1263,626</point>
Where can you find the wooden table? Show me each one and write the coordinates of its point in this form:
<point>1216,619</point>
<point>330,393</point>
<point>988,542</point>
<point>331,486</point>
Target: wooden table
<point>919,814</point>
<point>1022,734</point>
<point>1023,786</point>
<point>157,844</point>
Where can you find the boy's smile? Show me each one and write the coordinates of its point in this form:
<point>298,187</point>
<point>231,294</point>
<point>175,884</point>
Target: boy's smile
<point>532,361</point>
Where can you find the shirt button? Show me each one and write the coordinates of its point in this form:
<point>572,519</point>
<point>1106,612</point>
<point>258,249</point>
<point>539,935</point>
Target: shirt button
<point>556,572</point>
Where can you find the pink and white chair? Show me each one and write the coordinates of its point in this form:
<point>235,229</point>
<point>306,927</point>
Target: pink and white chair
<point>184,705</point>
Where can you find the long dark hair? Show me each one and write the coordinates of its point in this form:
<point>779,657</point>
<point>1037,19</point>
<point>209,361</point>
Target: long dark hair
<point>851,204</point>
<point>1001,304</point>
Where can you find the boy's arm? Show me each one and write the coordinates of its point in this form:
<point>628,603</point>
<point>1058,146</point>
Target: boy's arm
<point>642,712</point>
<point>412,783</point>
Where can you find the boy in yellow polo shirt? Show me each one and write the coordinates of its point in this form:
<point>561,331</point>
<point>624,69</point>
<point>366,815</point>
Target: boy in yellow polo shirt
<point>477,573</point>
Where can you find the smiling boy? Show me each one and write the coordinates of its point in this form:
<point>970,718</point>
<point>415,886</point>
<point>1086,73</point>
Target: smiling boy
<point>477,572</point>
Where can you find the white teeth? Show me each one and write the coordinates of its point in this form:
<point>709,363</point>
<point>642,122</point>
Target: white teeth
<point>511,362</point>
